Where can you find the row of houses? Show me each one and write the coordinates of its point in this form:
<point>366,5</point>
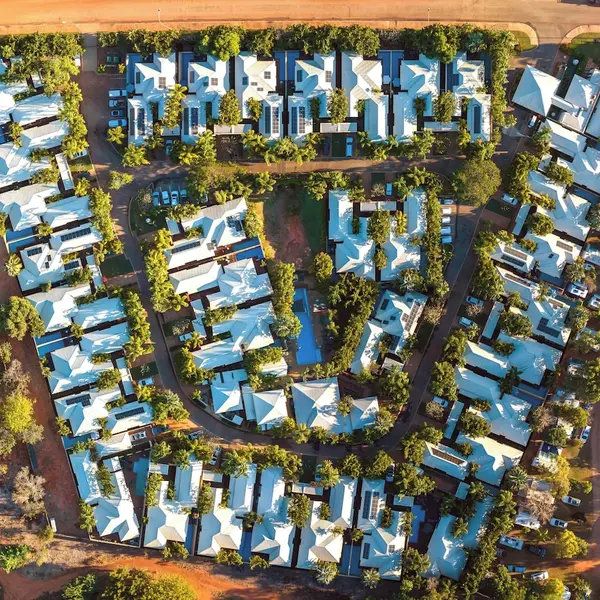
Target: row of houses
<point>293,90</point>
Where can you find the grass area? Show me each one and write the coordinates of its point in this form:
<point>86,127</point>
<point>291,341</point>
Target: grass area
<point>313,218</point>
<point>116,265</point>
<point>338,145</point>
<point>81,165</point>
<point>309,466</point>
<point>583,45</point>
<point>138,219</point>
<point>178,326</point>
<point>499,207</point>
<point>259,205</point>
<point>147,370</point>
<point>523,40</point>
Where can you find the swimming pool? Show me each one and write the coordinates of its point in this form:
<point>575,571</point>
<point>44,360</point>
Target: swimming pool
<point>307,353</point>
<point>419,514</point>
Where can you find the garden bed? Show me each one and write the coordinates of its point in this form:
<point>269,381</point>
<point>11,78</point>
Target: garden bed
<point>116,265</point>
<point>178,327</point>
<point>146,370</point>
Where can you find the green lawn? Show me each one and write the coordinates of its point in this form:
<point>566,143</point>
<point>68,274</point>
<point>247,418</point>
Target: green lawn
<point>178,326</point>
<point>499,207</point>
<point>584,45</point>
<point>523,40</point>
<point>147,370</point>
<point>116,265</point>
<point>138,223</point>
<point>312,213</point>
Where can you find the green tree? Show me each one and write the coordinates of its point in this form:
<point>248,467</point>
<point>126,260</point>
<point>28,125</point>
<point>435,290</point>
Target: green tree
<point>515,324</point>
<point>205,499</point>
<point>476,181</point>
<point>376,467</point>
<point>502,585</point>
<point>444,106</point>
<point>370,578</point>
<point>442,382</point>
<point>350,466</point>
<point>327,475</point>
<point>560,174</point>
<point>299,507</point>
<point>578,317</point>
<point>257,562</point>
<point>13,265</point>
<point>234,463</point>
<point>540,224</point>
<point>515,479</point>
<point>568,545</point>
<point>337,105</point>
<point>410,482</point>
<point>557,436</point>
<point>580,589</point>
<point>87,519</point>
<point>108,379</point>
<point>116,135</point>
<point>135,156</point>
<point>173,106</point>
<point>223,41</point>
<point>117,180</point>
<point>229,109</point>
<point>473,425</point>
<point>19,317</point>
<point>14,556</point>
<point>325,572</point>
<point>395,384</point>
<point>255,109</point>
<point>322,268</point>
<point>84,587</point>
<point>124,584</point>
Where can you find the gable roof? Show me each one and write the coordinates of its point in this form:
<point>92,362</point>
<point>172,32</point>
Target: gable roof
<point>536,90</point>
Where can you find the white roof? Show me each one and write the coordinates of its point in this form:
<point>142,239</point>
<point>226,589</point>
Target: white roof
<point>354,252</point>
<point>267,408</point>
<point>372,502</point>
<point>150,75</point>
<point>421,78</point>
<point>566,140</point>
<point>447,553</point>
<point>166,522</point>
<point>341,502</point>
<point>78,238</point>
<point>196,279</point>
<point>315,405</point>
<point>316,77</point>
<point>363,412</point>
<point>275,537</point>
<point>367,350</point>
<point>130,416</point>
<point>242,491</point>
<point>220,529</point>
<point>141,125</point>
<point>249,329</point>
<point>447,460</point>
<point>35,108</point>
<point>547,316</point>
<point>536,90</point>
<point>84,409</point>
<point>63,212</point>
<point>507,415</point>
<point>106,340</point>
<point>239,282</point>
<point>586,168</point>
<point>25,205</point>
<point>226,396</point>
<point>514,255</point>
<point>553,253</point>
<point>187,483</point>
<point>100,311</point>
<point>493,458</point>
<point>253,79</point>
<point>318,542</point>
<point>40,267</point>
<point>382,549</point>
<point>85,470</point>
<point>479,117</point>
<point>113,444</point>
<point>73,368</point>
<point>405,116</point>
<point>57,306</point>
<point>271,492</point>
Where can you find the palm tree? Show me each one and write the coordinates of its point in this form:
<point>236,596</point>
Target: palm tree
<point>178,302</point>
<point>460,527</point>
<point>515,479</point>
<point>541,535</point>
<point>325,572</point>
<point>370,578</point>
<point>234,463</point>
<point>116,135</point>
<point>13,265</point>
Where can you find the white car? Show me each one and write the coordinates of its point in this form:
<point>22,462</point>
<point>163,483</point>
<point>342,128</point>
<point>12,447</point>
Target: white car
<point>446,231</point>
<point>510,199</point>
<point>144,382</point>
<point>466,322</point>
<point>585,434</point>
<point>215,456</point>
<point>117,123</point>
<point>474,301</point>
<point>594,302</point>
<point>140,435</point>
<point>117,113</point>
<point>572,501</point>
<point>558,523</point>
<point>185,337</point>
<point>447,239</point>
<point>577,289</point>
<point>446,211</point>
<point>539,575</point>
<point>183,194</point>
<point>117,93</point>
<point>446,220</point>
<point>511,542</point>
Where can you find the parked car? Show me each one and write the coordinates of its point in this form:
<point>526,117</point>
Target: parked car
<point>577,289</point>
<point>558,523</point>
<point>117,93</point>
<point>446,231</point>
<point>539,575</point>
<point>155,198</point>
<point>195,434</point>
<point>516,568</point>
<point>594,302</point>
<point>215,456</point>
<point>500,553</point>
<point>165,197</point>
<point>447,239</point>
<point>541,552</point>
<point>510,199</point>
<point>572,501</point>
<point>389,189</point>
<point>115,103</point>
<point>443,403</point>
<point>532,121</point>
<point>174,197</point>
<point>447,201</point>
<point>117,113</point>
<point>140,435</point>
<point>511,542</point>
<point>146,381</point>
<point>184,337</point>
<point>474,301</point>
<point>349,144</point>
<point>446,210</point>
<point>389,474</point>
<point>466,322</point>
<point>117,123</point>
<point>183,194</point>
<point>446,220</point>
<point>585,434</point>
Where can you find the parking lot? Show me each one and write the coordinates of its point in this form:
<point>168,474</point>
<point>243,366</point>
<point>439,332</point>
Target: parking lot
<point>169,193</point>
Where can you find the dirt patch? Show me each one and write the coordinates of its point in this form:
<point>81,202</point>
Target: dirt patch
<point>284,228</point>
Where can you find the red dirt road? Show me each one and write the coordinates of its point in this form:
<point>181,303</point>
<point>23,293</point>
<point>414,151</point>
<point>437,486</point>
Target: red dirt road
<point>61,497</point>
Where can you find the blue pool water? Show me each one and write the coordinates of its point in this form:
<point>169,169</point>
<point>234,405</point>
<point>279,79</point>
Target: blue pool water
<point>419,514</point>
<point>390,60</point>
<point>17,244</point>
<point>251,243</point>
<point>307,353</point>
<point>47,348</point>
<point>246,545</point>
<point>350,562</point>
<point>185,58</point>
<point>140,468</point>
<point>251,253</point>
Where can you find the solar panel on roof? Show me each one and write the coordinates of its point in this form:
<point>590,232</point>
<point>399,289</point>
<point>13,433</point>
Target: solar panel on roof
<point>302,120</point>
<point>141,121</point>
<point>275,120</point>
<point>518,280</point>
<point>194,119</point>
<point>34,251</point>
<point>512,260</point>
<point>367,505</point>
<point>72,264</point>
<point>84,399</point>
<point>447,457</point>
<point>543,327</point>
<point>73,235</point>
<point>374,505</point>
<point>564,246</point>
<point>515,252</point>
<point>294,122</point>
<point>187,246</point>
<point>130,413</point>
